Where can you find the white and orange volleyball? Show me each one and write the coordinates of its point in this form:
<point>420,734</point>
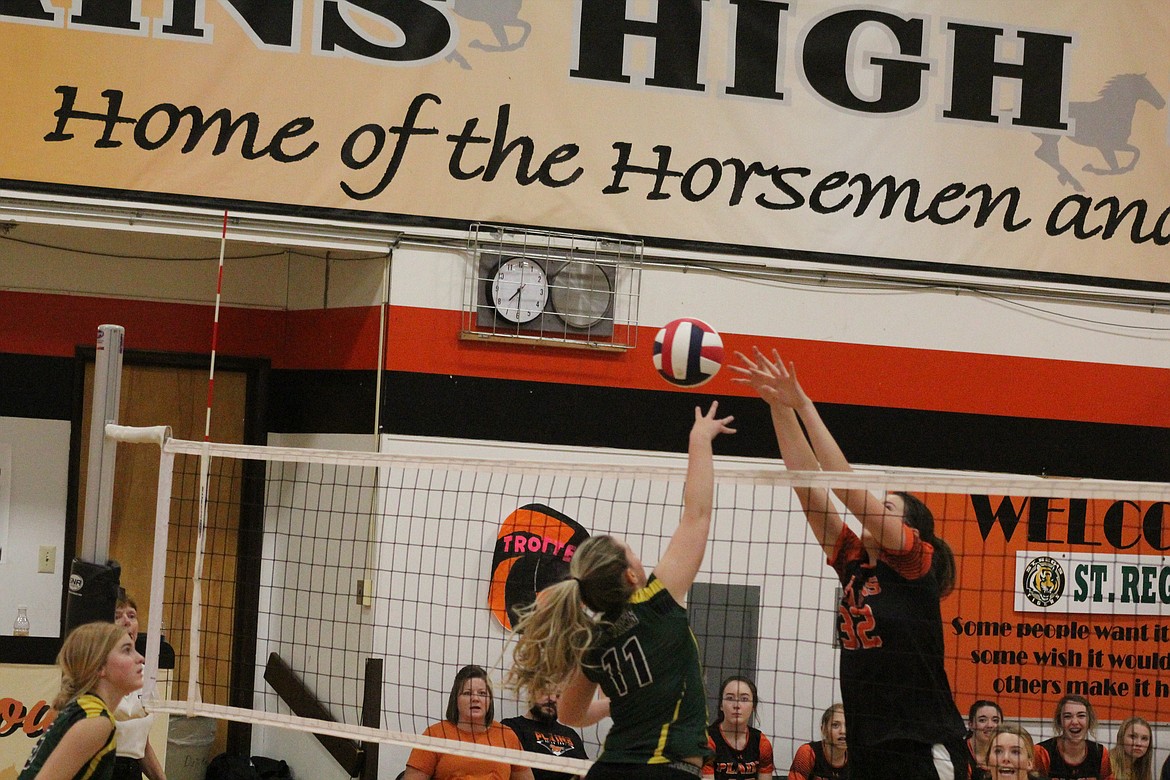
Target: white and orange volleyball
<point>688,352</point>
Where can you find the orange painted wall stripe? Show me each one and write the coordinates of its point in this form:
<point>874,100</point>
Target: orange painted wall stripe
<point>54,325</point>
<point>329,339</point>
<point>426,341</point>
<point>37,324</point>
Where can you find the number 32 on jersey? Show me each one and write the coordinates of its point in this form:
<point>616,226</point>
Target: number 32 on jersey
<point>857,619</point>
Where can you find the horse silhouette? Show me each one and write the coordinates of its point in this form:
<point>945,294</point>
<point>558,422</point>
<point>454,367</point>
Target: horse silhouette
<point>1105,124</point>
<point>499,16</point>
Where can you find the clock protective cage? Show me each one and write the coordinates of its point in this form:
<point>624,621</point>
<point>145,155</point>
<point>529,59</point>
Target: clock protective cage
<point>554,288</point>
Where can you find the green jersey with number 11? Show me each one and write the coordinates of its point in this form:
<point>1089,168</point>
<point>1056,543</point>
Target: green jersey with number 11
<point>647,663</point>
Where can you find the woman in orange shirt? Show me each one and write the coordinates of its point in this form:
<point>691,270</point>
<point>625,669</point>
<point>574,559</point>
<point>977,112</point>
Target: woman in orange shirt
<point>470,718</point>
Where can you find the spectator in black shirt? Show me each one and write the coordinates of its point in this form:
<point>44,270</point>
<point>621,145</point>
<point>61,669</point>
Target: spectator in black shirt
<point>540,732</point>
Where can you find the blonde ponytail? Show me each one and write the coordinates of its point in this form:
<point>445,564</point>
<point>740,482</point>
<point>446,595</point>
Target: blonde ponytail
<point>556,630</point>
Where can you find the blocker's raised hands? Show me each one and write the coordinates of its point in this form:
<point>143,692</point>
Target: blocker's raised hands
<point>775,382</point>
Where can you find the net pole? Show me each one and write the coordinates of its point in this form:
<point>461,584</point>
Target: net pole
<point>204,467</point>
<point>99,496</point>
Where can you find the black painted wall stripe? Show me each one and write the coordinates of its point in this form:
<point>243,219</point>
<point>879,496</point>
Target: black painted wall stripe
<point>36,386</point>
<point>638,419</point>
<point>566,415</point>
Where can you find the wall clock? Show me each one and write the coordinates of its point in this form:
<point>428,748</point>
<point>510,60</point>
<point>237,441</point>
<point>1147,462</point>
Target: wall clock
<point>518,289</point>
<point>582,294</point>
<point>552,297</point>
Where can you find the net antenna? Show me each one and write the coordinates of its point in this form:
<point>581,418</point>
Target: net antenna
<point>204,464</point>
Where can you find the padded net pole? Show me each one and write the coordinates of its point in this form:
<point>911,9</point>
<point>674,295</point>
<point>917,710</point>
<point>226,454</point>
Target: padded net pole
<point>93,578</point>
<point>99,482</point>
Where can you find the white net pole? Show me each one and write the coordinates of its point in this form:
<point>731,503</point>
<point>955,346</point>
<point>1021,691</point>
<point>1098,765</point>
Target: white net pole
<point>99,483</point>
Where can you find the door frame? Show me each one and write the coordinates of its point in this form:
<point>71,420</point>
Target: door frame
<point>251,533</point>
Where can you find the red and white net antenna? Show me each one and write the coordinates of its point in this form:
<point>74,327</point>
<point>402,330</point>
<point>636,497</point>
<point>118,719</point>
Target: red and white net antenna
<point>204,467</point>
<point>215,328</point>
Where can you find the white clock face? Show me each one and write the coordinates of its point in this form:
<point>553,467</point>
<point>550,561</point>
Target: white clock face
<point>519,290</point>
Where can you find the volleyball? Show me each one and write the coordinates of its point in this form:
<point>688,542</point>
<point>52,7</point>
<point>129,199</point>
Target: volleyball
<point>687,352</point>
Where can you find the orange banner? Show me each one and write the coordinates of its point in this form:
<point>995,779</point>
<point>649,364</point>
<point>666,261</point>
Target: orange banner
<point>1058,596</point>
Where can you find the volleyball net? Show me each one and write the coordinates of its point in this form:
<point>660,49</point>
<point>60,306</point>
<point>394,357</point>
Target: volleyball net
<point>303,565</point>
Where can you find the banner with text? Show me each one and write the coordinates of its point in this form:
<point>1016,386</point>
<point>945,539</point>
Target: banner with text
<point>1059,596</point>
<point>26,693</point>
<point>1018,137</point>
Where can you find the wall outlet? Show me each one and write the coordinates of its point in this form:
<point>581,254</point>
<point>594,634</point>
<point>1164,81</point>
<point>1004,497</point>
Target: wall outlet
<point>47,559</point>
<point>364,592</point>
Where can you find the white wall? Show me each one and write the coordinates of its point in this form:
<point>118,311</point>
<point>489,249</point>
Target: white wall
<point>751,300</point>
<point>940,316</point>
<point>40,476</point>
<point>918,317</point>
<point>304,754</point>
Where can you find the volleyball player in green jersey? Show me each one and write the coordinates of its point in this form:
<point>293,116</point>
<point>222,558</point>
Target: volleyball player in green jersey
<point>611,626</point>
<point>99,667</point>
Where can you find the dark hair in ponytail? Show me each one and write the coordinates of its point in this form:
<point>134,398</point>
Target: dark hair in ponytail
<point>919,517</point>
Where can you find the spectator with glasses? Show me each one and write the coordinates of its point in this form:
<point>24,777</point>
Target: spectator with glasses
<point>742,752</point>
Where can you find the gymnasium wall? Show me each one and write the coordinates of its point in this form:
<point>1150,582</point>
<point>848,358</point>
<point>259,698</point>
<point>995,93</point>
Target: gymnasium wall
<point>968,380</point>
<point>910,376</point>
<point>930,374</point>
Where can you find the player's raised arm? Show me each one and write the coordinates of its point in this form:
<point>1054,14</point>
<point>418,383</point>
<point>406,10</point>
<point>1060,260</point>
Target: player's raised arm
<point>783,388</point>
<point>684,555</point>
<point>778,387</point>
<point>609,626</point>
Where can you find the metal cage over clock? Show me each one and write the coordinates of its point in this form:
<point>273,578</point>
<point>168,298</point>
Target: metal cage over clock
<point>553,288</point>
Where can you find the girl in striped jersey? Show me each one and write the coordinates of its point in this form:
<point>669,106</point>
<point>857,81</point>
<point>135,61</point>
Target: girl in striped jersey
<point>1072,754</point>
<point>742,752</point>
<point>903,723</point>
<point>827,758</point>
<point>1011,754</point>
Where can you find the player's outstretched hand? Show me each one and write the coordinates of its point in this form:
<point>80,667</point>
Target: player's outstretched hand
<point>708,426</point>
<point>770,378</point>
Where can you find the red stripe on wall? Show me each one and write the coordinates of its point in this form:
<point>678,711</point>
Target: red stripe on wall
<point>426,340</point>
<point>330,339</point>
<point>55,325</point>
